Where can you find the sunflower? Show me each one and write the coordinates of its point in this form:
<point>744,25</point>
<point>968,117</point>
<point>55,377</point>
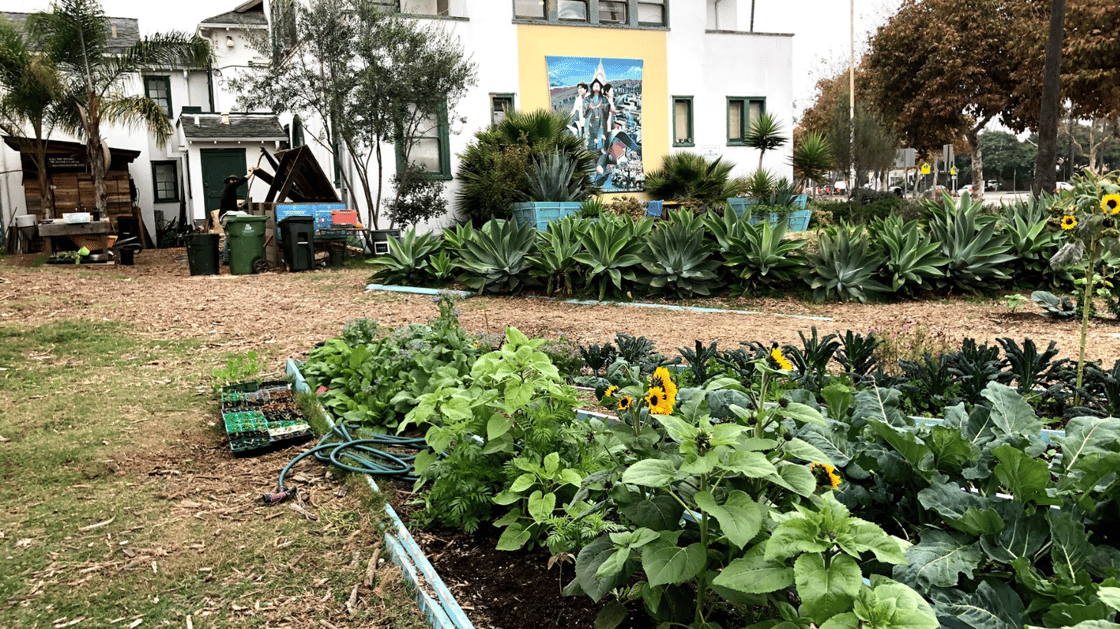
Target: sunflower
<point>776,358</point>
<point>625,402</point>
<point>611,390</point>
<point>825,474</point>
<point>1111,204</point>
<point>1069,222</point>
<point>658,401</point>
<point>661,378</point>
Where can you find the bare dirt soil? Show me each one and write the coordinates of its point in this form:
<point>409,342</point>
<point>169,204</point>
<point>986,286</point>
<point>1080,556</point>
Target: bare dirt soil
<point>280,315</point>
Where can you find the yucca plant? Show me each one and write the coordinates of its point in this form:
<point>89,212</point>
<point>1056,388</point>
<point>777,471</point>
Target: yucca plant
<point>677,258</point>
<point>408,262</point>
<point>844,266</point>
<point>555,260</point>
<point>911,258</point>
<point>556,176</point>
<point>496,257</point>
<point>765,134</point>
<point>760,185</point>
<point>689,176</point>
<point>611,253</point>
<point>763,255</point>
<point>812,159</point>
<point>978,256</point>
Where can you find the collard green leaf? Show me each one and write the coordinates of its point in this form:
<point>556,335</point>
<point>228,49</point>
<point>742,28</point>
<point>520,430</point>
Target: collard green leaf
<point>1086,624</point>
<point>1032,579</point>
<point>826,590</point>
<point>979,522</point>
<point>659,513</point>
<point>1105,562</point>
<point>1022,536</point>
<point>1086,436</point>
<point>949,501</point>
<point>900,607</point>
<point>993,605</point>
<point>950,449</point>
<point>1070,550</point>
<point>664,562</point>
<point>939,560</point>
<point>856,536</point>
<point>753,574</point>
<point>883,405</point>
<point>739,517</point>
<point>831,442</point>
<point>1024,477</point>
<point>803,414</point>
<point>1010,413</point>
<point>1110,596</point>
<point>1069,614</point>
<point>720,402</point>
<point>907,443</point>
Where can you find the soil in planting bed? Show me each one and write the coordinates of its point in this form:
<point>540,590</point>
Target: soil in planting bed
<point>502,589</point>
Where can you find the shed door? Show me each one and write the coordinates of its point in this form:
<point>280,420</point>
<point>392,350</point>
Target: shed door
<point>217,164</point>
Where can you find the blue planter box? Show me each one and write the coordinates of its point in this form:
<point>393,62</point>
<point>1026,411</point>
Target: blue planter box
<point>798,218</point>
<point>538,214</point>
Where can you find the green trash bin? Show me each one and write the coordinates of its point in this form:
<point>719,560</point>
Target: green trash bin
<point>202,254</point>
<point>297,234</point>
<point>246,243</point>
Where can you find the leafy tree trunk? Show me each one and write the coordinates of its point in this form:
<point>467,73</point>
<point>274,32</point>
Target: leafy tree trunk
<point>95,150</point>
<point>1044,176</point>
<point>46,195</point>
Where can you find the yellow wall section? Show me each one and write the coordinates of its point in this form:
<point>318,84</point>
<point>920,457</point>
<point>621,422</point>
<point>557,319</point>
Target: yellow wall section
<point>535,42</point>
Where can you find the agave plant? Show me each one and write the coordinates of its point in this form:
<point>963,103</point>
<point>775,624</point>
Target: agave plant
<point>408,262</point>
<point>844,266</point>
<point>763,255</point>
<point>611,252</point>
<point>555,260</point>
<point>556,176</point>
<point>978,256</point>
<point>496,257</point>
<point>911,258</point>
<point>677,258</point>
<point>1026,225</point>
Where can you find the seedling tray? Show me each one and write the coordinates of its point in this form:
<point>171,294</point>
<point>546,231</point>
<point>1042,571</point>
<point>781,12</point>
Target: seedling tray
<point>258,416</point>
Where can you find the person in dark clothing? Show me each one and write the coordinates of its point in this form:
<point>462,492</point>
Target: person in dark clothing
<point>228,199</point>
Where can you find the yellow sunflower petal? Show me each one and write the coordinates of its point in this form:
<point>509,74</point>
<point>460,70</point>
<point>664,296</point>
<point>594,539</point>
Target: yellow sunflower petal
<point>1111,203</point>
<point>1069,222</point>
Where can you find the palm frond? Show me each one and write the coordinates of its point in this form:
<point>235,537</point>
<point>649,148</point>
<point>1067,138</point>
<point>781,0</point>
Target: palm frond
<point>138,111</point>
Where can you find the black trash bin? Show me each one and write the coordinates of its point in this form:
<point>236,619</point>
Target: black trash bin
<point>202,254</point>
<point>128,239</point>
<point>297,235</point>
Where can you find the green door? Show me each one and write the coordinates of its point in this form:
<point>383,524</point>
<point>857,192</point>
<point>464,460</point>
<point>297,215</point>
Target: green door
<point>217,164</point>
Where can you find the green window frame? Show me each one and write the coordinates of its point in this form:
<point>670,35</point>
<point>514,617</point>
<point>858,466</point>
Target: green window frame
<point>612,13</point>
<point>740,110</point>
<point>158,88</point>
<point>500,105</point>
<point>440,133</point>
<point>683,121</point>
<point>165,181</point>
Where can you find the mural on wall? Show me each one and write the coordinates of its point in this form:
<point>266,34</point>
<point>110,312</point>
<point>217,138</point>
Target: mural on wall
<point>604,99</point>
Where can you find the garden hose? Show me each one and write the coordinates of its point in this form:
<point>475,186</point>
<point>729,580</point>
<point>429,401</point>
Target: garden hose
<point>362,456</point>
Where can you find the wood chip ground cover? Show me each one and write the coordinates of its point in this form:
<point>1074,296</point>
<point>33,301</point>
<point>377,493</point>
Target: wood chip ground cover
<point>208,496</point>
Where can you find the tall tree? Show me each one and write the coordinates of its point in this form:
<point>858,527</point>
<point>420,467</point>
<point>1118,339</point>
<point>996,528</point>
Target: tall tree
<point>942,69</point>
<point>29,93</point>
<point>875,144</point>
<point>371,78</point>
<point>1045,177</point>
<point>75,36</point>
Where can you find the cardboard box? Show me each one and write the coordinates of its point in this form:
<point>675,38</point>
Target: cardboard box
<point>77,217</point>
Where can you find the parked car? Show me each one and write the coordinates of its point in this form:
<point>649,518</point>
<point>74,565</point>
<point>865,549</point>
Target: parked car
<point>992,185</point>
<point>965,190</point>
<point>1063,185</point>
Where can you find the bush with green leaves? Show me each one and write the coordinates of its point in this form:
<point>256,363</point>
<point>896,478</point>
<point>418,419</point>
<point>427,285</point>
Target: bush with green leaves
<point>419,197</point>
<point>687,176</point>
<point>555,177</point>
<point>761,256</point>
<point>844,266</point>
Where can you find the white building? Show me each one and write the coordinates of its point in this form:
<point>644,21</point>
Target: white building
<point>701,79</point>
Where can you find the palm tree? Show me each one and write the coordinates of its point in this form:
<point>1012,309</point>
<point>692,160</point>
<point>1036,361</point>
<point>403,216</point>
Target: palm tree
<point>75,36</point>
<point>29,91</point>
<point>765,135</point>
<point>690,176</point>
<point>812,158</point>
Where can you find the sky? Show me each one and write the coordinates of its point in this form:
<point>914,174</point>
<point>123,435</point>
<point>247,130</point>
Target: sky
<point>820,27</point>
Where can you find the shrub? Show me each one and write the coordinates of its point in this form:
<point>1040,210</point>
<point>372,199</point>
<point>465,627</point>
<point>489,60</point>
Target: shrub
<point>626,206</point>
<point>689,176</point>
<point>419,198</point>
